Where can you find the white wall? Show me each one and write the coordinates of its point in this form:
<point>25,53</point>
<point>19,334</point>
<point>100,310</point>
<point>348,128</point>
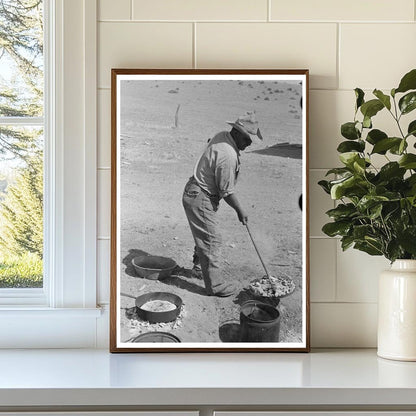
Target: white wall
<point>345,44</point>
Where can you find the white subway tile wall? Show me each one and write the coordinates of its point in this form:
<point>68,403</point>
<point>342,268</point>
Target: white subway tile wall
<point>328,110</point>
<point>145,45</point>
<point>114,10</point>
<point>200,10</point>
<point>103,271</point>
<point>345,44</point>
<point>355,10</point>
<point>104,202</point>
<point>104,128</point>
<point>375,55</point>
<point>319,203</point>
<point>270,45</point>
<point>357,275</point>
<point>339,325</point>
<point>323,269</point>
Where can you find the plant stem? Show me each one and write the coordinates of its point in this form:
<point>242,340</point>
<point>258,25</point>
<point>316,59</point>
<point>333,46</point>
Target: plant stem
<point>397,118</point>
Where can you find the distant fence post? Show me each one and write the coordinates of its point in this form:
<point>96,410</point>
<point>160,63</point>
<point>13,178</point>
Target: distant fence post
<point>177,116</point>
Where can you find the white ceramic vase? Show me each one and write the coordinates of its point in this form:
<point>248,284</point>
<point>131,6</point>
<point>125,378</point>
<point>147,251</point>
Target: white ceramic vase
<point>397,312</point>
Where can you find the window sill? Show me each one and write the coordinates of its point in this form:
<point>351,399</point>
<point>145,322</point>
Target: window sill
<point>37,327</point>
<point>39,311</point>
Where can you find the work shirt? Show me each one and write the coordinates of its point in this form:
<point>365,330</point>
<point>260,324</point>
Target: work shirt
<point>217,169</point>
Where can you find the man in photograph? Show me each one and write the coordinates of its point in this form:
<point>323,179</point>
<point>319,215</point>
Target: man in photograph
<point>214,178</point>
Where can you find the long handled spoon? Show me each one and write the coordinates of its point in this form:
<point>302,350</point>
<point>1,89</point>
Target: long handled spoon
<point>258,253</point>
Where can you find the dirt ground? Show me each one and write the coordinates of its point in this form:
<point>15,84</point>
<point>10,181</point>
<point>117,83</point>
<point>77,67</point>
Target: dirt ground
<point>157,158</point>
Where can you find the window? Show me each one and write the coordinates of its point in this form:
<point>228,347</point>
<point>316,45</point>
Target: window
<point>22,132</point>
<point>63,312</point>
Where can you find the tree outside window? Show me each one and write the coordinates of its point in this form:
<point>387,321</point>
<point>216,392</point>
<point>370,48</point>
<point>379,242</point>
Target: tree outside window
<point>21,143</point>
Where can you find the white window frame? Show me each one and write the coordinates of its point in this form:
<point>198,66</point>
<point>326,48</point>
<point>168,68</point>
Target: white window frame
<point>64,312</point>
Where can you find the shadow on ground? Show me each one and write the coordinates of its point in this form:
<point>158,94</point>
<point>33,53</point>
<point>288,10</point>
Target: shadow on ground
<point>182,281</point>
<point>293,151</point>
<point>180,277</point>
<point>128,259</point>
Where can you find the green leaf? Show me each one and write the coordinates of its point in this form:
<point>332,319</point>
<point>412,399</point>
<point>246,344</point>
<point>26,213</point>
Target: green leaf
<point>411,183</point>
<point>346,242</point>
<point>413,211</point>
<point>348,158</point>
<point>359,165</point>
<point>408,102</point>
<point>371,108</point>
<point>393,92</point>
<point>338,171</point>
<point>374,136</point>
<point>341,188</point>
<point>342,211</point>
<point>375,211</point>
<point>411,130</point>
<point>385,99</point>
<point>407,239</point>
<point>390,170</point>
<point>349,131</point>
<point>408,82</point>
<point>338,188</point>
<point>359,95</point>
<point>367,122</point>
<point>340,180</point>
<point>325,186</point>
<point>368,201</point>
<point>383,145</point>
<point>412,201</point>
<point>408,161</point>
<point>411,180</point>
<point>361,231</point>
<point>399,148</point>
<point>336,228</point>
<point>374,242</point>
<point>349,146</point>
<point>393,250</point>
<point>368,248</point>
<point>391,212</point>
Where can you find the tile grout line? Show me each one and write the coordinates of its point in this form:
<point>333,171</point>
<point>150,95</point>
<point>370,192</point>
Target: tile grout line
<point>269,11</point>
<point>131,9</point>
<point>344,303</point>
<point>306,22</point>
<point>194,62</point>
<point>338,63</point>
<point>323,237</point>
<point>336,271</point>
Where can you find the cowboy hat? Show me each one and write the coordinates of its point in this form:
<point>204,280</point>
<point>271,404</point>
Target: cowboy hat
<point>247,124</point>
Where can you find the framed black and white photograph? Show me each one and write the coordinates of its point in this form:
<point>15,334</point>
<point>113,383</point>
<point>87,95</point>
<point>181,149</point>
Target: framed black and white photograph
<point>209,211</point>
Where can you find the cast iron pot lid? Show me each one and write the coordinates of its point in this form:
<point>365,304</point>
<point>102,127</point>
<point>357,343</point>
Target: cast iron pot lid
<point>156,337</point>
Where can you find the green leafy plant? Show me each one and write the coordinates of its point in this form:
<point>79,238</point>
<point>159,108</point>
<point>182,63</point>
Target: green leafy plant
<point>376,210</point>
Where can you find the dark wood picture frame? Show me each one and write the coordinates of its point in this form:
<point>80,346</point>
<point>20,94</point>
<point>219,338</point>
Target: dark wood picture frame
<point>149,157</point>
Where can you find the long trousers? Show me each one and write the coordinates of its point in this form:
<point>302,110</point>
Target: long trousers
<point>200,209</point>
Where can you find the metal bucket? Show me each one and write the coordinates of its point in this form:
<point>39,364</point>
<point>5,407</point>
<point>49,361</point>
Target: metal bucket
<point>259,322</point>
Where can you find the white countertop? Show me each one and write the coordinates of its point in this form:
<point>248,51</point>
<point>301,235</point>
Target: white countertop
<point>96,377</point>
